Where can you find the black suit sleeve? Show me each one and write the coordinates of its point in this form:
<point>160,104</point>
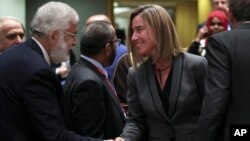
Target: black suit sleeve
<point>41,104</point>
<point>217,86</point>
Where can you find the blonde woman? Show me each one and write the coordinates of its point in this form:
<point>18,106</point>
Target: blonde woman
<point>165,85</point>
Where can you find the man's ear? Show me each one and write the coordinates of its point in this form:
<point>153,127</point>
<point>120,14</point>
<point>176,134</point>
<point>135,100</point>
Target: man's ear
<point>107,49</point>
<point>54,37</point>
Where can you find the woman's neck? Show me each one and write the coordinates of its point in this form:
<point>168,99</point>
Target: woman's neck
<point>162,64</point>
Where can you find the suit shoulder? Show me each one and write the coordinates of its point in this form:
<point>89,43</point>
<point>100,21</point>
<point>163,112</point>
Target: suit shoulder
<point>194,60</point>
<point>225,36</point>
<point>192,57</point>
<point>25,58</point>
<point>82,73</point>
<point>225,40</point>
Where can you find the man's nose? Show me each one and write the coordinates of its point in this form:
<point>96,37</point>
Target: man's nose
<point>75,42</point>
<point>18,39</point>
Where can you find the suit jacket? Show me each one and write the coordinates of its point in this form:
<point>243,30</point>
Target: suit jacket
<point>147,117</point>
<point>91,106</point>
<point>29,97</point>
<point>227,85</point>
<point>120,77</point>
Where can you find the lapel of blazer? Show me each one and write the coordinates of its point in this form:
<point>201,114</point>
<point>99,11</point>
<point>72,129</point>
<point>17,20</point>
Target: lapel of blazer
<point>102,77</point>
<point>154,91</point>
<point>175,84</point>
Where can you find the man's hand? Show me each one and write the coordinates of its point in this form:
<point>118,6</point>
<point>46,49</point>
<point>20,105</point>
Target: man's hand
<point>119,139</point>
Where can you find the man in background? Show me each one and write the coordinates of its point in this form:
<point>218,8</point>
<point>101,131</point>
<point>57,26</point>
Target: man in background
<point>92,107</point>
<point>121,49</point>
<point>117,72</point>
<point>11,32</point>
<point>220,5</point>
<point>227,92</point>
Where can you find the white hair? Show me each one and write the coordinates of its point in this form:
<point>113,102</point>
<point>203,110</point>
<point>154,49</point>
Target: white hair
<point>53,16</point>
<point>8,18</point>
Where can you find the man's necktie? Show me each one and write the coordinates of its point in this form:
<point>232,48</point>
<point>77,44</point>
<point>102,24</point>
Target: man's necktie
<point>123,107</point>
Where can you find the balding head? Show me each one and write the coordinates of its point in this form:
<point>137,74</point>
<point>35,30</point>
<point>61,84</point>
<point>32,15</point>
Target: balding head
<point>99,17</point>
<point>11,32</point>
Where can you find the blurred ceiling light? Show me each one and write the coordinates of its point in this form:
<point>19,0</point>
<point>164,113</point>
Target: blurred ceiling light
<point>115,4</point>
<point>118,10</point>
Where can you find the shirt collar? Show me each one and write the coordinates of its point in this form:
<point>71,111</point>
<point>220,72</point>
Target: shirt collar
<point>45,54</point>
<point>95,63</point>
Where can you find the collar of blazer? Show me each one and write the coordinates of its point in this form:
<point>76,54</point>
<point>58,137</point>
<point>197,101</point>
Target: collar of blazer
<point>175,85</point>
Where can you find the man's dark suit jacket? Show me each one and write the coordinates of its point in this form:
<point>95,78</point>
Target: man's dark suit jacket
<point>29,97</point>
<point>146,113</point>
<point>227,99</point>
<point>92,108</point>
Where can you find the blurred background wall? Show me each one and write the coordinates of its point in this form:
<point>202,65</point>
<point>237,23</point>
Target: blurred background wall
<point>185,13</point>
<point>15,8</point>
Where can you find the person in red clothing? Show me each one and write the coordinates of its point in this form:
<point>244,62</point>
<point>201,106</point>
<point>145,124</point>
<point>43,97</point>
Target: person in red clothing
<point>216,22</point>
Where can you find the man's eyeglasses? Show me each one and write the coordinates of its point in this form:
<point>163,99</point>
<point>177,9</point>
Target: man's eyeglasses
<point>72,34</point>
<point>117,42</point>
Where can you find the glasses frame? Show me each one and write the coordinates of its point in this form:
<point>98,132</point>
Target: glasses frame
<point>75,36</point>
<point>118,41</point>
